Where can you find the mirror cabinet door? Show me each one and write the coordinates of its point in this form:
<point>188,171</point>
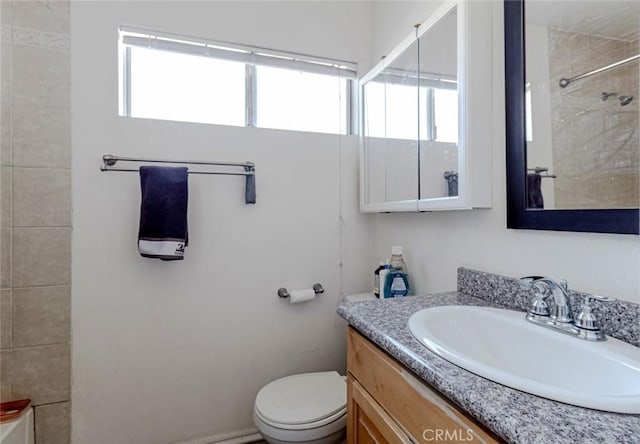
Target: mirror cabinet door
<point>415,154</point>
<point>373,140</point>
<point>438,109</point>
<point>390,133</point>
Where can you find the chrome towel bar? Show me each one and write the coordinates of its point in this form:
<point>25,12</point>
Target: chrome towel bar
<point>109,160</point>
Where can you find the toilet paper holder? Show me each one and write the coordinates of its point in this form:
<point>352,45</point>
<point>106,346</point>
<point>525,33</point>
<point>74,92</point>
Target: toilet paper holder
<point>284,293</point>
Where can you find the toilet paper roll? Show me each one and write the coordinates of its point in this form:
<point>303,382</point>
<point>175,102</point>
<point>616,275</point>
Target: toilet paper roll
<point>297,296</point>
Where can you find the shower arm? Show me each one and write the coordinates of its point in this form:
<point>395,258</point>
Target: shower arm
<point>565,82</point>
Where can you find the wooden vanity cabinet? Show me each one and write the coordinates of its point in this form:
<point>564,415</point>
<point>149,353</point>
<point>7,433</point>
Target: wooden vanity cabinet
<point>386,403</point>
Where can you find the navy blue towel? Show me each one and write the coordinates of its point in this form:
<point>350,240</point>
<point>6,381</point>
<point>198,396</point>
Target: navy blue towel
<point>250,189</point>
<point>163,212</point>
<point>534,191</point>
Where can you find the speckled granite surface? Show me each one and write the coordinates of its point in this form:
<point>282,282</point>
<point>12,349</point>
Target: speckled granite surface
<point>513,415</point>
<point>619,319</point>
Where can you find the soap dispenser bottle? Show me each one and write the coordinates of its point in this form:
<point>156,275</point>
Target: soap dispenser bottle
<point>396,282</point>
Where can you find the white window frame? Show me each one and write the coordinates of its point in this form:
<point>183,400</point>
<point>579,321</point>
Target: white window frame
<point>250,55</point>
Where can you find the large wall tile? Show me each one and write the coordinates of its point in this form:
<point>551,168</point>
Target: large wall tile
<point>41,136</point>
<point>40,77</point>
<point>6,48</point>
<point>5,100</point>
<point>5,382</point>
<point>49,16</point>
<point>5,319</point>
<point>5,12</point>
<point>41,315</point>
<point>5,258</point>
<point>41,256</point>
<point>53,423</point>
<point>5,391</point>
<point>40,39</point>
<point>40,373</point>
<point>6,180</point>
<point>6,148</point>
<point>41,197</point>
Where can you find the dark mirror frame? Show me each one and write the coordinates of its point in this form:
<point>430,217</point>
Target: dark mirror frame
<point>623,221</point>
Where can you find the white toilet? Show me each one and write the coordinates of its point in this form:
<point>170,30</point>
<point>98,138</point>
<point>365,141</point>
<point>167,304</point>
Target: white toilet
<point>309,408</point>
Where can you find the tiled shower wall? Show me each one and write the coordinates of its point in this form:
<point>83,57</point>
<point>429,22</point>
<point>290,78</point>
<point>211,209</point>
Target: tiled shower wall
<point>36,212</point>
<point>596,149</point>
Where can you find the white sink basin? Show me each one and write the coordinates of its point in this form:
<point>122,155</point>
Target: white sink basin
<point>501,345</point>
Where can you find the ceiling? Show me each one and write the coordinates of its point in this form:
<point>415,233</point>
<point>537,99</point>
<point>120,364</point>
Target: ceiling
<point>607,18</point>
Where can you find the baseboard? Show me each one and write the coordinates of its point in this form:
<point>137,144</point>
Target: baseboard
<point>237,437</point>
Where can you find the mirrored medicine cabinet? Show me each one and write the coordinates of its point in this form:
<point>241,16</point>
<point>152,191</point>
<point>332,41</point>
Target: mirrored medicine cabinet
<point>425,113</point>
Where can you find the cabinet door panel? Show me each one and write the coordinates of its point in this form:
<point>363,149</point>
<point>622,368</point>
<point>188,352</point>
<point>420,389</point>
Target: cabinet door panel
<point>438,104</point>
<point>368,422</point>
<point>390,132</point>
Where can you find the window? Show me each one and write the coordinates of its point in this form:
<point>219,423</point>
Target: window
<point>174,78</point>
<point>527,114</point>
<point>445,104</point>
<point>390,110</point>
<point>298,100</point>
<point>173,86</point>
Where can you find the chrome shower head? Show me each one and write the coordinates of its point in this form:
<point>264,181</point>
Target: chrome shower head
<point>625,100</point>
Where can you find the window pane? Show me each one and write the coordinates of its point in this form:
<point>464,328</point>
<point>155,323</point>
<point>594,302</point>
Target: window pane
<point>446,115</point>
<point>402,111</point>
<point>302,101</point>
<point>527,112</point>
<point>172,86</point>
<point>374,109</point>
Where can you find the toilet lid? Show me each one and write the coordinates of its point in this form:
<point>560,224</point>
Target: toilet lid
<point>302,399</point>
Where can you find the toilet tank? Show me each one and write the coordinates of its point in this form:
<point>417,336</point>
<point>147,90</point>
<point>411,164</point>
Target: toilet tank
<point>18,429</point>
<point>360,297</point>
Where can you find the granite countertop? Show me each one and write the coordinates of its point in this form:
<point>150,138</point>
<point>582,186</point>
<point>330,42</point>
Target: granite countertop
<point>515,416</point>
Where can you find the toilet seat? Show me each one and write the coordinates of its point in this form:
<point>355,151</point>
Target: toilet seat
<point>304,401</point>
<point>311,425</point>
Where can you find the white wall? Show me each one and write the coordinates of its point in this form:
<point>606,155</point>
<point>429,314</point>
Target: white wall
<point>167,351</point>
<point>393,20</point>
<point>435,244</point>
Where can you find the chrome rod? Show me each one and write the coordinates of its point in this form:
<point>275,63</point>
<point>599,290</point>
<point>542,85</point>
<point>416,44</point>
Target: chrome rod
<point>110,160</point>
<point>545,170</point>
<point>246,173</point>
<point>565,82</point>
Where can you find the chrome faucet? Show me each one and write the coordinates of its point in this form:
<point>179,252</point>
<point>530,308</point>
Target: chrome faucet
<point>560,317</point>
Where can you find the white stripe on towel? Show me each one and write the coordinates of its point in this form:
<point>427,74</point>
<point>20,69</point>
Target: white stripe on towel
<point>161,248</point>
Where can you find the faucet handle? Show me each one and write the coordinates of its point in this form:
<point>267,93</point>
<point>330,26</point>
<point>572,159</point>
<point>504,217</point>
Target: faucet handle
<point>597,297</point>
<point>539,306</point>
<point>586,320</point>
